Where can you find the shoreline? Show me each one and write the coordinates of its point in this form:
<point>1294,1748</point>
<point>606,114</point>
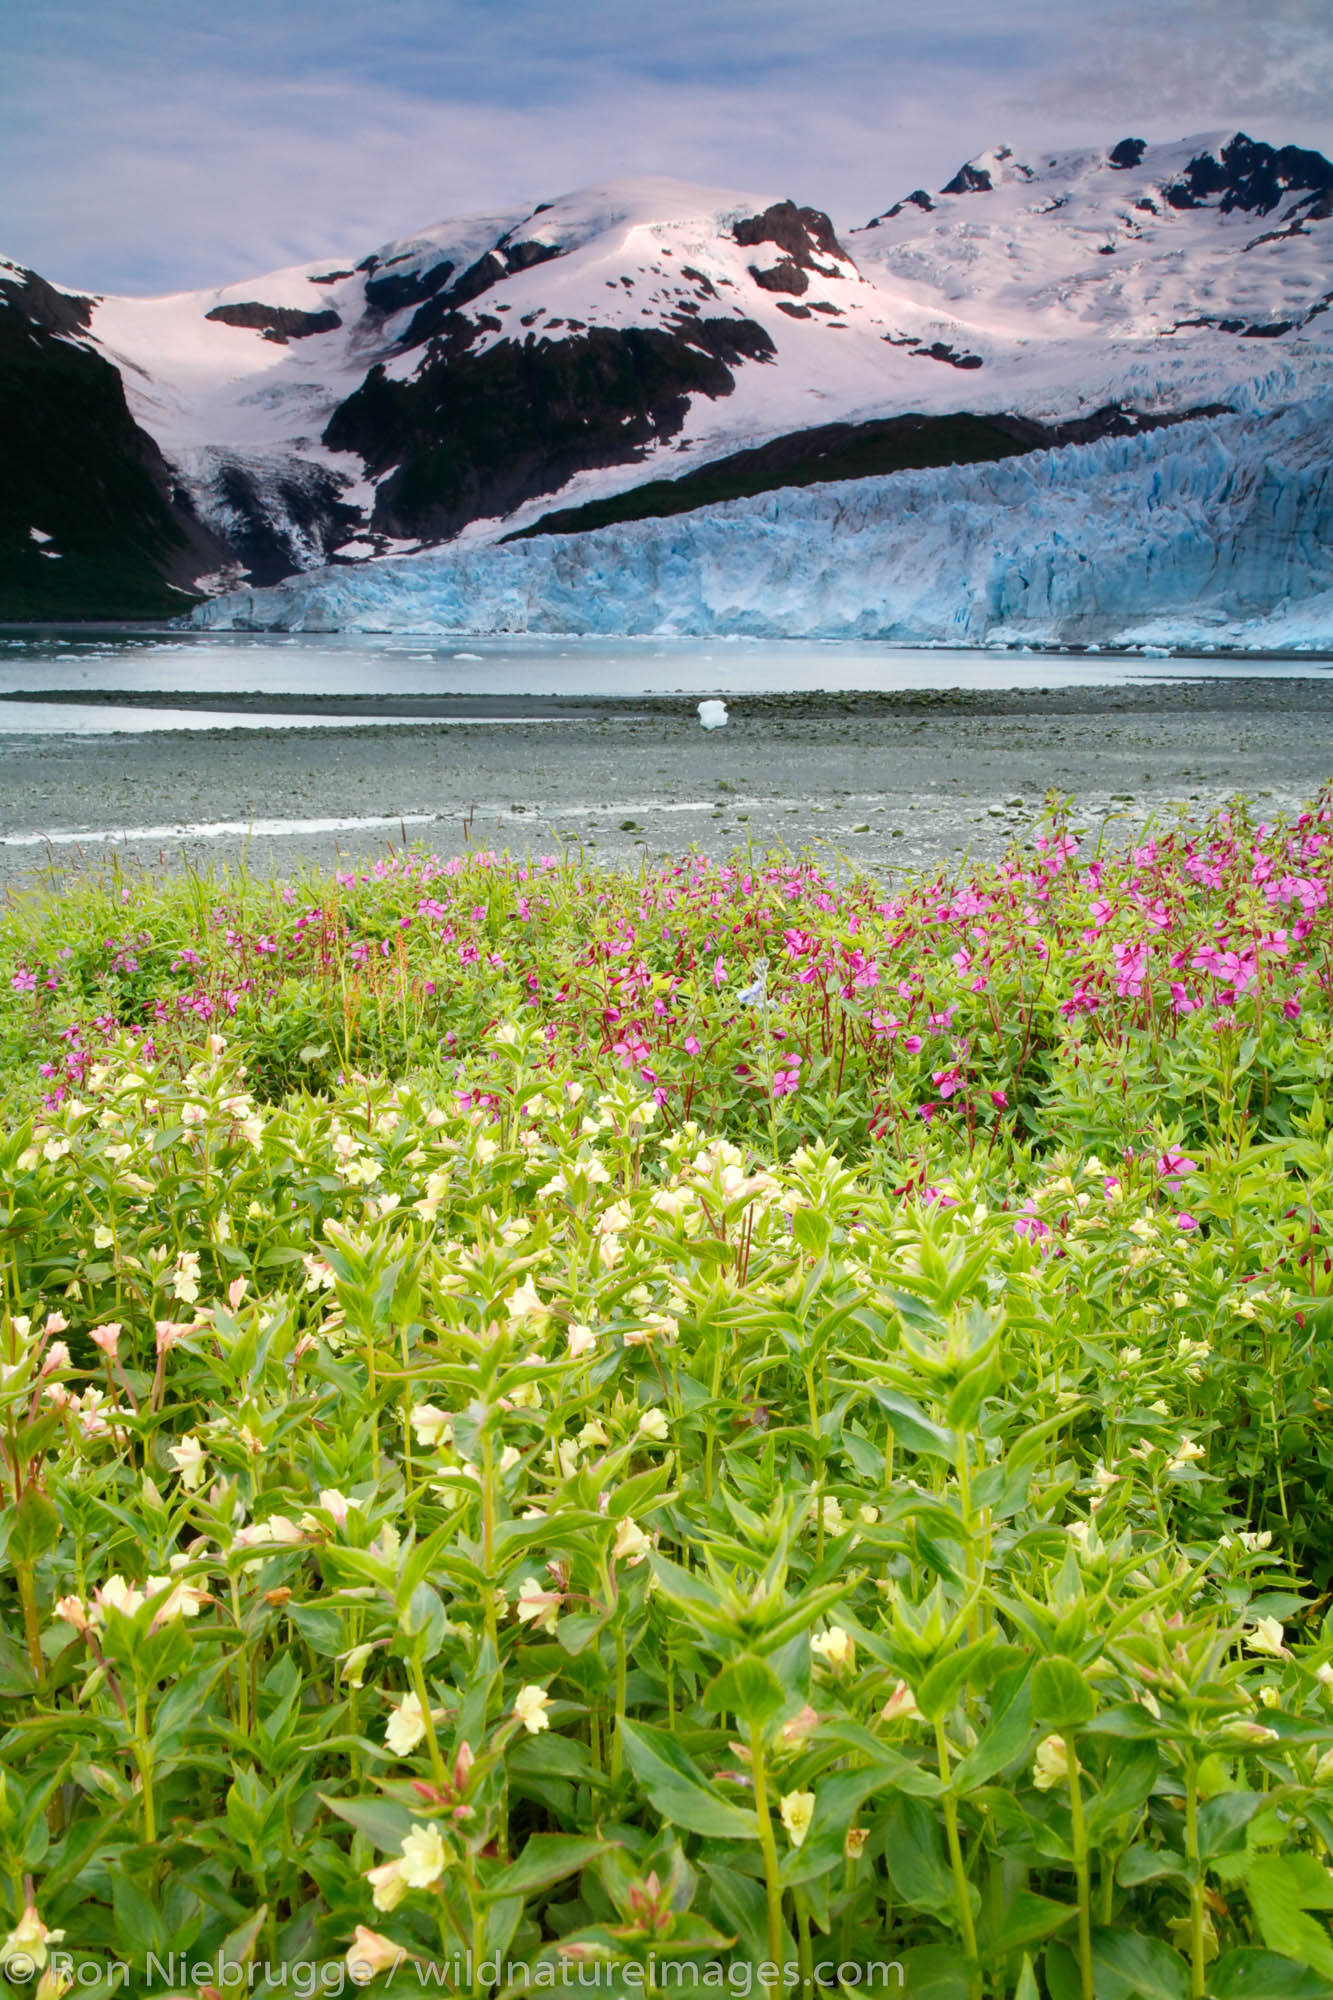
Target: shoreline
<point>17,629</point>
<point>888,780</point>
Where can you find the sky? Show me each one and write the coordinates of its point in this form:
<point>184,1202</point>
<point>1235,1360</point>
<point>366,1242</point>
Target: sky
<point>163,145</point>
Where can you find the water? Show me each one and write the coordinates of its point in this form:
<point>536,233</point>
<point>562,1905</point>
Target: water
<point>92,668</point>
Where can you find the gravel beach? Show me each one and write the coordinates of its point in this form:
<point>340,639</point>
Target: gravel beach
<point>886,779</point>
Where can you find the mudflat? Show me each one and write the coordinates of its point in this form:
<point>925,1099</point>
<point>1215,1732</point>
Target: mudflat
<point>885,779</point>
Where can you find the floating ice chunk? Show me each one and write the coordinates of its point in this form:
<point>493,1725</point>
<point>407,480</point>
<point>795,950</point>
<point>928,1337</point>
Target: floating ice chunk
<point>713,714</point>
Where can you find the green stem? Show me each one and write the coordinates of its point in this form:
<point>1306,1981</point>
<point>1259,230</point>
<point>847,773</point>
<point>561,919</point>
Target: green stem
<point>768,1848</point>
<point>805,1957</point>
<point>1196,1883</point>
<point>437,1769</point>
<point>143,1757</point>
<point>242,1664</point>
<point>622,1674</point>
<point>488,1533</point>
<point>1081,1873</point>
<point>32,1629</point>
<point>961,1887</point>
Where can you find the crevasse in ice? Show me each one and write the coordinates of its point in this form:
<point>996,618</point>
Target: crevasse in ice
<point>1216,530</point>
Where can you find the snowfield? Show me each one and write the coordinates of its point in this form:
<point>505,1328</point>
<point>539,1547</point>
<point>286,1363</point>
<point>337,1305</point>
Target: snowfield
<point>1213,532</point>
<point>364,436</point>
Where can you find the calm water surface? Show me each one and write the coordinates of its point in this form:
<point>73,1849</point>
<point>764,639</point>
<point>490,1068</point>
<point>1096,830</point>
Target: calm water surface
<point>92,668</point>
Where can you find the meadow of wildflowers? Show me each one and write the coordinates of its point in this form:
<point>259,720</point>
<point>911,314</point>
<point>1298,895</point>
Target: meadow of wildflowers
<point>716,1427</point>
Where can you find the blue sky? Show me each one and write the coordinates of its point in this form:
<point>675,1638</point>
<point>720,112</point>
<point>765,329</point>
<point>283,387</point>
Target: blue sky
<point>151,145</point>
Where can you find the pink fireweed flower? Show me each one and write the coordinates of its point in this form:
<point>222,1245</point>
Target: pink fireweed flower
<point>948,1082</point>
<point>1184,1221</point>
<point>788,1080</point>
<point>1174,1165</point>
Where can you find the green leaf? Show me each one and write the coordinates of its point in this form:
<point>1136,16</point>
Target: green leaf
<point>1280,1892</point>
<point>910,1424</point>
<point>742,1905</point>
<point>689,1593</point>
<point>138,1924</point>
<point>915,1857</point>
<point>1141,1863</point>
<point>1250,1974</point>
<point>938,1689</point>
<point>1004,1738</point>
<point>321,1628</point>
<point>546,1858</point>
<point>1061,1697</point>
<point>1223,1820</point>
<point>931,1972</point>
<point>747,1688</point>
<point>383,1821</point>
<point>1125,1966</point>
<point>1027,1918</point>
<point>1130,1776</point>
<point>1128,1966</point>
<point>678,1789</point>
<point>32,1525</point>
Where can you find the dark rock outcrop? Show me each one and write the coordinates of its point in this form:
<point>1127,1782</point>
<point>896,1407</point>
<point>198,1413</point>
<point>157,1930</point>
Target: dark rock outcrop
<point>969,180</point>
<point>1128,153</point>
<point>474,435</point>
<point>1250,175</point>
<point>409,288</point>
<point>804,233</point>
<point>278,323</point>
<point>119,529</point>
<point>784,276</point>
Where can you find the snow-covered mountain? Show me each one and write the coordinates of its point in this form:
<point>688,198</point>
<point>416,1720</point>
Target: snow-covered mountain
<point>648,348</point>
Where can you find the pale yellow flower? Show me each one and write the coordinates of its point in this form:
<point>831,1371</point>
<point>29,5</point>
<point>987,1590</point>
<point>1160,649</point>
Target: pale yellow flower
<point>1267,1637</point>
<point>369,1954</point>
<point>901,1706</point>
<point>631,1543</point>
<point>431,1426</point>
<point>424,1859</point>
<point>406,1727</point>
<point>387,1885</point>
<point>530,1706</point>
<point>835,1646</point>
<point>1050,1766</point>
<point>27,1942</point>
<point>797,1810</point>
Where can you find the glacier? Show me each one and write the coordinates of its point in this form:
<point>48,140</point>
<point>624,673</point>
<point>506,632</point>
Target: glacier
<point>1216,531</point>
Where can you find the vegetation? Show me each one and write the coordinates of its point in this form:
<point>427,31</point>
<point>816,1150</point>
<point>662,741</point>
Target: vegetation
<point>804,458</point>
<point>724,1425</point>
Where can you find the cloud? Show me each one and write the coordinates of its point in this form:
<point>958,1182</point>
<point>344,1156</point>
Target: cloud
<point>162,144</point>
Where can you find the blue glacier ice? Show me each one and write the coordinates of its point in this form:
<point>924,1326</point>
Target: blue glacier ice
<point>1214,531</point>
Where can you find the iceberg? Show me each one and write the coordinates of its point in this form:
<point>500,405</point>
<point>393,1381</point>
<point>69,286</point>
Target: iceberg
<point>1214,531</point>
